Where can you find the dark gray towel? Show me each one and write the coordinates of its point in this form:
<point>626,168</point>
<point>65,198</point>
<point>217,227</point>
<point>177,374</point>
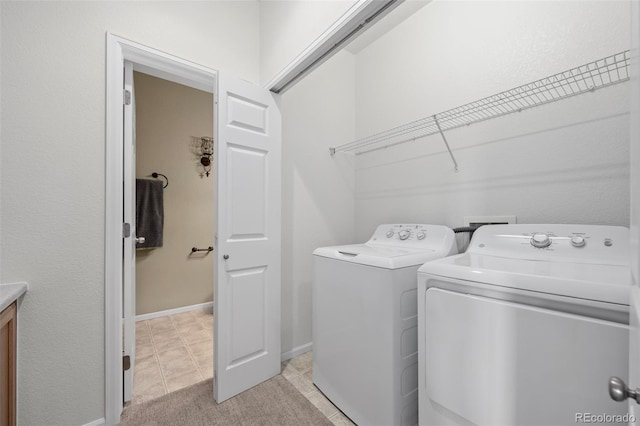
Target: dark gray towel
<point>149,212</point>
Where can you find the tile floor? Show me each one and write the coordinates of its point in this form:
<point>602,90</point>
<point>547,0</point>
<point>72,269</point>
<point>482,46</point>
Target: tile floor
<point>298,371</point>
<point>172,352</point>
<point>176,351</point>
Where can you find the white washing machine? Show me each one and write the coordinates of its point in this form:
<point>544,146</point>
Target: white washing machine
<point>526,327</point>
<point>365,321</point>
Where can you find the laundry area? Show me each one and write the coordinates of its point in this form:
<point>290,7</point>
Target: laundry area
<point>370,212</point>
<point>500,122</point>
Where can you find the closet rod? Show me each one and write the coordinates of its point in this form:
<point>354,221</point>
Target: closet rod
<point>603,72</point>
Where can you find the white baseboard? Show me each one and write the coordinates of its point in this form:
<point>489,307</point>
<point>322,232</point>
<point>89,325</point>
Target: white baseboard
<point>98,422</point>
<point>174,311</point>
<point>299,350</point>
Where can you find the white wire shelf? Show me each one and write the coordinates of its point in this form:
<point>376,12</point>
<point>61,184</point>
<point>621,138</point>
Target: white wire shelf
<point>594,75</point>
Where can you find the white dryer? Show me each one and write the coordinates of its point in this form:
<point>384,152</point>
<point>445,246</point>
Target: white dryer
<point>526,327</point>
<point>365,321</point>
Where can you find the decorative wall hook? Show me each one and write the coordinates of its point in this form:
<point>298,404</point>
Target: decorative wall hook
<point>206,153</point>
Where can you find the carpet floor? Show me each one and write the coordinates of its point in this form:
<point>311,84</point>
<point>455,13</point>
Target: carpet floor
<point>274,402</point>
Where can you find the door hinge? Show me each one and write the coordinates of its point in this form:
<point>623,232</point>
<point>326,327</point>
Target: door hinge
<point>126,230</point>
<point>126,363</point>
<point>127,97</point>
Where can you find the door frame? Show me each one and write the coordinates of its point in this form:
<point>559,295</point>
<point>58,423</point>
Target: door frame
<point>633,381</point>
<point>168,67</point>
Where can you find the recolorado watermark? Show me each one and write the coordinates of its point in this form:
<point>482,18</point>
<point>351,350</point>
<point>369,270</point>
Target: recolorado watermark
<point>605,418</point>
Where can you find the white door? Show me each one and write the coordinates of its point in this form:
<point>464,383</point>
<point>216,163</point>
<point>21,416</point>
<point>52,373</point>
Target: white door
<point>129,242</point>
<point>247,264</point>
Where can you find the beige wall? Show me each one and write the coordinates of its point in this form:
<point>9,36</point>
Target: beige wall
<point>170,118</point>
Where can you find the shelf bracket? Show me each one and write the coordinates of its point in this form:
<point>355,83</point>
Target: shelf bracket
<point>455,163</point>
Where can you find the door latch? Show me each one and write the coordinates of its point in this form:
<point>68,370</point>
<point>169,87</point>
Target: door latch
<point>126,363</point>
<point>126,230</point>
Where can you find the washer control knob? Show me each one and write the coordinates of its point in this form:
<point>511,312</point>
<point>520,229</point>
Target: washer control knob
<point>540,240</point>
<point>404,234</point>
<point>421,235</point>
<point>390,234</point>
<point>578,241</point>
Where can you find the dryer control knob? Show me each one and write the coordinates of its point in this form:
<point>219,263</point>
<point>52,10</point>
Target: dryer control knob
<point>389,234</point>
<point>404,234</point>
<point>540,240</point>
<point>421,235</point>
<point>578,241</point>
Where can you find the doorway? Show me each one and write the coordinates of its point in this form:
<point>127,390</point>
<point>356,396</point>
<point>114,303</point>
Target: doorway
<point>119,310</point>
<point>174,265</point>
<point>247,258</point>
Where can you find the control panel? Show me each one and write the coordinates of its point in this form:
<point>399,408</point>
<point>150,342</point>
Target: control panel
<point>404,232</point>
<point>410,235</point>
<point>598,244</point>
<point>543,239</point>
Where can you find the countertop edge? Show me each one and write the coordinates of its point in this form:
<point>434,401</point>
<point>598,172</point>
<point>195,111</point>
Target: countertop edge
<point>9,293</point>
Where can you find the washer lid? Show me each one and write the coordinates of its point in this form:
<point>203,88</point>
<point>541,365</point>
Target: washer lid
<point>606,283</point>
<point>394,246</point>
<point>381,256</point>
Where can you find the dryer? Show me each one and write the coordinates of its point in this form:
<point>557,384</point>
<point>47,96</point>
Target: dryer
<point>526,327</point>
<point>365,321</point>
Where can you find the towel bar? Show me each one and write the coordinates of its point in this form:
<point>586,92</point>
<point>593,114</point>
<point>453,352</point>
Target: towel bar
<point>195,249</point>
<point>155,175</point>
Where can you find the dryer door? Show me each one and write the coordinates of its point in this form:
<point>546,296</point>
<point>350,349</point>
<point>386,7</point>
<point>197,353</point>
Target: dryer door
<point>492,362</point>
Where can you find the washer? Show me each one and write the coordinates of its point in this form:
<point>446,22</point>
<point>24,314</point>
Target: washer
<point>365,321</point>
<point>526,327</point>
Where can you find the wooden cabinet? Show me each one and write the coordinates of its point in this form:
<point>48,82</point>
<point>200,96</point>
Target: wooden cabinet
<point>8,323</point>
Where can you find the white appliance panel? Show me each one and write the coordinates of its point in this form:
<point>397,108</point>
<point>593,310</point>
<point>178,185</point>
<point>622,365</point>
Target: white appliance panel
<point>365,337</point>
<point>591,244</point>
<point>526,327</point>
<point>608,283</point>
<point>396,246</point>
<point>365,341</point>
<point>500,363</point>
